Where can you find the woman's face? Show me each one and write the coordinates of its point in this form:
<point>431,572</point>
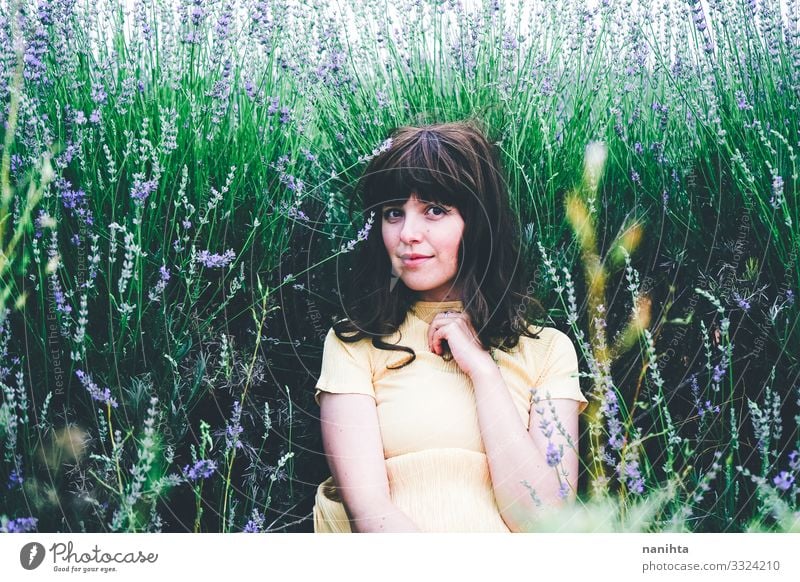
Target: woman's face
<point>430,230</point>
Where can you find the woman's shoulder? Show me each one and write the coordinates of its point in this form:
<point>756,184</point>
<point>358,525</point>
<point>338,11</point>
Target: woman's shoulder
<point>340,333</point>
<point>548,340</point>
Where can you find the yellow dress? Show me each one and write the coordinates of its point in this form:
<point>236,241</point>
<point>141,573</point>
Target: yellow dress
<point>435,460</point>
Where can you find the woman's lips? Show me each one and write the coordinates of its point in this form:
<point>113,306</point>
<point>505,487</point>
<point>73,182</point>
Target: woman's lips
<point>415,262</point>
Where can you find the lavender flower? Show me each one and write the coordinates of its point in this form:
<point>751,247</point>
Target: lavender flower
<point>216,261</point>
<point>362,234</point>
<point>718,373</point>
<point>783,481</point>
<point>99,94</point>
<point>58,295</point>
<point>777,192</point>
<point>34,57</point>
<point>563,490</point>
<point>635,482</point>
<point>610,408</point>
<point>383,99</point>
<point>103,396</point>
<point>744,304</point>
<point>255,524</point>
<point>794,461</point>
<point>141,189</point>
<point>22,525</point>
<point>509,42</point>
<point>202,469</point>
<point>234,428</point>
<point>156,291</point>
<point>741,101</point>
<point>15,479</point>
<point>635,177</point>
<point>553,454</point>
<point>707,407</point>
<point>250,89</point>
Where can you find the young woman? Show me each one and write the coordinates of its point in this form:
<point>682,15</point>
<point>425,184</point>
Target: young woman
<point>442,407</point>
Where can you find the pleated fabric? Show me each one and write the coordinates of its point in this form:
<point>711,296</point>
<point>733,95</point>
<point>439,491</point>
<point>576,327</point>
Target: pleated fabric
<point>440,490</point>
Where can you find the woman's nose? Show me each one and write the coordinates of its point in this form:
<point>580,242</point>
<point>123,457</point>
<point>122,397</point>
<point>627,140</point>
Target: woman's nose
<point>412,228</point>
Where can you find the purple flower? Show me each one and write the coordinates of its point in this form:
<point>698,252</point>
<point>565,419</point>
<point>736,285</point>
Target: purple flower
<point>553,454</point>
<point>22,525</point>
<point>635,177</point>
<point>707,407</point>
<point>58,295</point>
<point>794,461</point>
<point>362,234</point>
<point>718,373</point>
<point>103,396</point>
<point>293,212</point>
<point>635,482</point>
<point>16,163</point>
<point>96,116</point>
<point>216,261</point>
<point>563,490</point>
<point>255,524</point>
<point>383,99</point>
<point>744,304</point>
<point>777,192</point>
<point>250,89</point>
<point>790,296</point>
<point>783,481</point>
<point>73,198</point>
<point>509,42</point>
<point>741,101</point>
<point>273,106</point>
<point>234,428</point>
<point>15,479</point>
<point>34,56</point>
<point>637,147</point>
<point>202,469</point>
<point>99,94</point>
<point>142,189</point>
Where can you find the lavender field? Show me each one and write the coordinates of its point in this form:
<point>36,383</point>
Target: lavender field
<point>177,231</point>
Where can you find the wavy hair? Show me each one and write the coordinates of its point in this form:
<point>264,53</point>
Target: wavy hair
<point>452,164</point>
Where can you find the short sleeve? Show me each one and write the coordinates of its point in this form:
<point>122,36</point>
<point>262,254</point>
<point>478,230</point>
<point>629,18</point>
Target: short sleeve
<point>346,367</point>
<point>558,369</point>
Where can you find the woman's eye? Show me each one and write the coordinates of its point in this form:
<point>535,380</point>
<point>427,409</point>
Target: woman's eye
<point>442,210</point>
<point>387,214</point>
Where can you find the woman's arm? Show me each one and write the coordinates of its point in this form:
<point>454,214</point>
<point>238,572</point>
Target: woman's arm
<point>518,454</point>
<point>352,441</point>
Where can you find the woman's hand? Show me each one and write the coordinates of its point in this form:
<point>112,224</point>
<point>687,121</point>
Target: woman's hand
<point>455,328</point>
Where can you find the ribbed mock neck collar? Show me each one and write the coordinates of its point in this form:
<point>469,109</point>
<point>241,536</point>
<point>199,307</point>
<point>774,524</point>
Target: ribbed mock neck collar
<point>427,310</point>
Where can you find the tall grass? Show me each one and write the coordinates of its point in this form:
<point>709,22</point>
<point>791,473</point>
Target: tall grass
<point>186,249</point>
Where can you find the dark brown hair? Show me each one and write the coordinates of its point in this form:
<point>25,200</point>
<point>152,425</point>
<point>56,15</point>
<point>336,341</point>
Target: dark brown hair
<point>452,164</point>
